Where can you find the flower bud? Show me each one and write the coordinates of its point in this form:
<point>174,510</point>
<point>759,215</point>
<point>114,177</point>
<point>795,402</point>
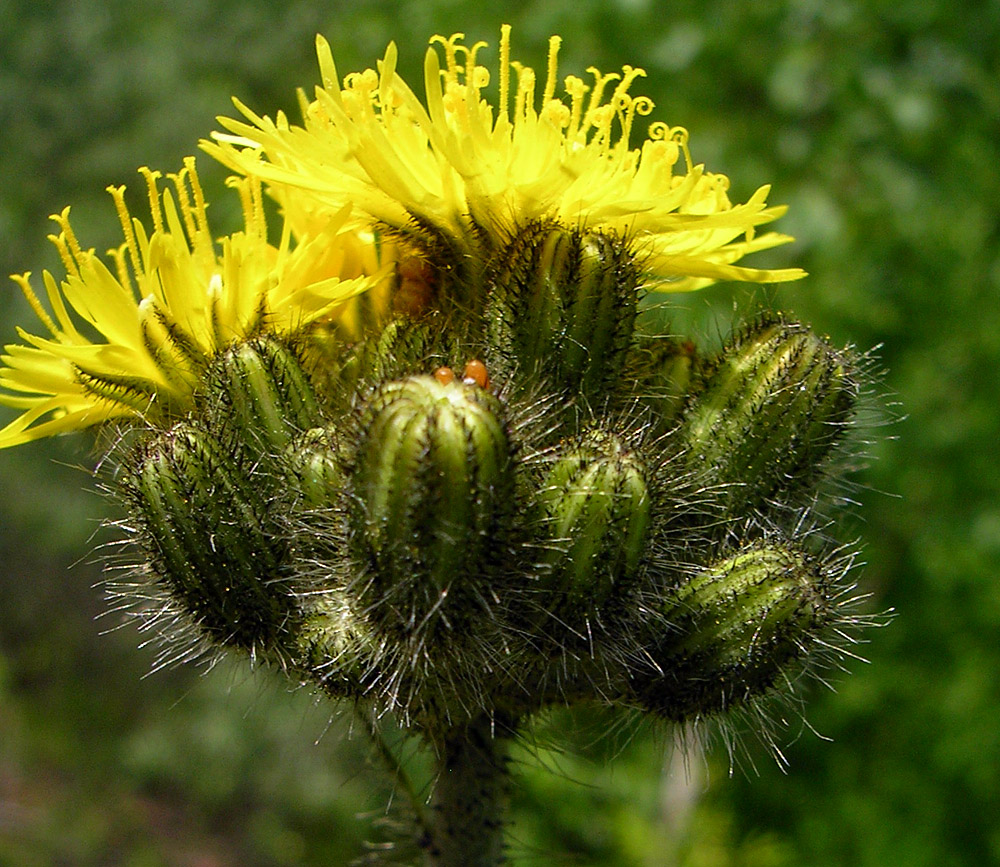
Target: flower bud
<point>259,391</point>
<point>666,367</point>
<point>312,468</point>
<point>563,304</point>
<point>432,482</point>
<point>771,411</point>
<point>735,628</point>
<point>595,512</point>
<point>334,646</point>
<point>402,347</point>
<point>209,539</point>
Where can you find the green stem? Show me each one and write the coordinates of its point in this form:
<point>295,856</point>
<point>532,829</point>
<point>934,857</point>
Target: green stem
<point>470,797</point>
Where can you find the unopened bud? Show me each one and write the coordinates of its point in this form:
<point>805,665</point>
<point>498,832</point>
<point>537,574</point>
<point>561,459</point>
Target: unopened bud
<point>209,538</point>
<point>433,484</point>
<point>595,511</point>
<point>312,465</point>
<point>735,628</point>
<point>563,304</point>
<point>771,411</point>
<point>259,391</point>
<point>666,368</point>
<point>402,347</point>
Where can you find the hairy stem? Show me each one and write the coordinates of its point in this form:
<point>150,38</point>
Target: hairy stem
<point>470,797</point>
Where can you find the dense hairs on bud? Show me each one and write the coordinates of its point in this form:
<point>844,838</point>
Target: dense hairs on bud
<point>432,481</point>
<point>563,304</point>
<point>594,510</point>
<point>744,623</point>
<point>665,369</point>
<point>259,393</point>
<point>773,406</point>
<point>403,347</point>
<point>312,471</point>
<point>203,522</point>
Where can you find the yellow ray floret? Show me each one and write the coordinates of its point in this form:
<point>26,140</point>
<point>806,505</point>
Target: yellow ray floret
<point>133,339</point>
<point>458,165</point>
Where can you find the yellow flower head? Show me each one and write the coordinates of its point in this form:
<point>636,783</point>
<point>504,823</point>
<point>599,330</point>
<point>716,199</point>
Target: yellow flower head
<point>145,328</point>
<point>468,170</point>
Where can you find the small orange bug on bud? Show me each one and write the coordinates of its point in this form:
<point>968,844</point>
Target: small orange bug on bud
<point>444,375</point>
<point>475,374</point>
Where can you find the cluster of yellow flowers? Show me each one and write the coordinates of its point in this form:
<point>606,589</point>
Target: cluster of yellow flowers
<point>370,167</point>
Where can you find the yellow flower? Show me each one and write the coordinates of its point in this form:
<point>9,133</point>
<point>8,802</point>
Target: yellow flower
<point>167,304</point>
<point>472,173</point>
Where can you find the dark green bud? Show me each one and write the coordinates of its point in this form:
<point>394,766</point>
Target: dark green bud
<point>772,409</point>
<point>259,391</point>
<point>595,513</point>
<point>563,304</point>
<point>312,468</point>
<point>736,627</point>
<point>401,348</point>
<point>334,646</point>
<point>209,539</point>
<point>432,483</point>
<point>666,369</point>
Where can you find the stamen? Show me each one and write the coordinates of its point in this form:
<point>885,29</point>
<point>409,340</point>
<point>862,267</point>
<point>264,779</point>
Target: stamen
<point>184,200</point>
<point>154,197</point>
<point>504,70</point>
<point>470,66</point>
<point>597,95</point>
<point>577,90</point>
<point>72,255</point>
<point>69,263</point>
<point>200,213</point>
<point>550,76</point>
<point>525,100</point>
<point>36,304</point>
<point>117,255</point>
<point>118,194</point>
<point>242,187</point>
<point>449,53</point>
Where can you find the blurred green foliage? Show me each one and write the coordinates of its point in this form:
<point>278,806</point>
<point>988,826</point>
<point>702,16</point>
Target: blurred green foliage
<point>877,122</point>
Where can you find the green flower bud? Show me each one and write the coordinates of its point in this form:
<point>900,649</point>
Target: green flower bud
<point>401,348</point>
<point>771,411</point>
<point>735,628</point>
<point>312,467</point>
<point>334,645</point>
<point>210,542</point>
<point>595,513</point>
<point>259,391</point>
<point>563,304</point>
<point>665,368</point>
<point>432,483</point>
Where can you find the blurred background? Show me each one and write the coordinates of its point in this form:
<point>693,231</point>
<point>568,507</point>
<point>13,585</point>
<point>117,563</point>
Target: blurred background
<point>877,122</point>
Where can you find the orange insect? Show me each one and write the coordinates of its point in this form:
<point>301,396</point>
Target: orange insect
<point>475,374</point>
<point>444,375</point>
